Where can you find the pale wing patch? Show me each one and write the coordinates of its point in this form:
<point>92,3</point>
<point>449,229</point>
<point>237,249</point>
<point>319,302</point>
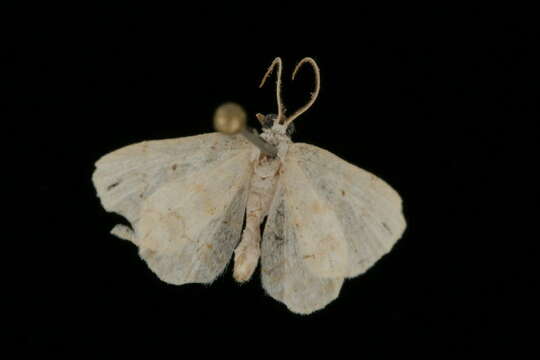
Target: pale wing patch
<point>319,235</point>
<point>189,227</point>
<point>368,209</point>
<point>286,276</point>
<point>127,176</point>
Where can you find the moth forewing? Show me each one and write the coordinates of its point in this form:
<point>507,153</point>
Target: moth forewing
<point>148,183</point>
<point>369,210</point>
<point>190,227</point>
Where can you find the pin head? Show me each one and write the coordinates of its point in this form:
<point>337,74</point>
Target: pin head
<point>229,118</point>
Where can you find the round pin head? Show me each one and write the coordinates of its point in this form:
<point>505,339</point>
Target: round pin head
<point>229,118</point>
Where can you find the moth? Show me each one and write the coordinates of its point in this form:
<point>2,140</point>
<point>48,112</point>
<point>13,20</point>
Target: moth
<point>187,198</point>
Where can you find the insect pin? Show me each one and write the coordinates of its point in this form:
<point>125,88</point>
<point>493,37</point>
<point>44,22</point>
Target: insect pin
<point>186,200</point>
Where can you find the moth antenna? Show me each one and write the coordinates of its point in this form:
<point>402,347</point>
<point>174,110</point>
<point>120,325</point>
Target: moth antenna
<point>277,61</point>
<point>313,94</point>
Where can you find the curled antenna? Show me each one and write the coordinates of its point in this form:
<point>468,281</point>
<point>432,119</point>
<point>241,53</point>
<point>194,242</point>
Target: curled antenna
<point>277,61</point>
<point>313,94</point>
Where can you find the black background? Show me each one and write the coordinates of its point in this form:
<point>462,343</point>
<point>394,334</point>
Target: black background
<point>441,104</point>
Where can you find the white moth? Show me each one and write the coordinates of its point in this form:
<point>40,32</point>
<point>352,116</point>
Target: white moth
<point>186,199</point>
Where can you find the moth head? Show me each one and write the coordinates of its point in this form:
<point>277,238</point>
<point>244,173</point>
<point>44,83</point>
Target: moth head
<point>285,122</point>
<point>269,121</point>
<point>230,118</point>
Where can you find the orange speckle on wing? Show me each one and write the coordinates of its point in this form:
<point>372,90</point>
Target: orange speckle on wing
<point>317,208</point>
<point>199,187</point>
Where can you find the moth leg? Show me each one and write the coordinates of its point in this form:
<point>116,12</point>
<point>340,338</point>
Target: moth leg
<point>123,232</point>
